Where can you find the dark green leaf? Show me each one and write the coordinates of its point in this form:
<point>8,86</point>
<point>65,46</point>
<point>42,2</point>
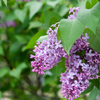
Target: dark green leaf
<point>1,51</point>
<point>56,70</point>
<point>47,17</point>
<point>95,82</point>
<point>21,39</point>
<point>89,88</point>
<point>90,4</point>
<point>33,40</point>
<point>53,20</point>
<point>5,2</point>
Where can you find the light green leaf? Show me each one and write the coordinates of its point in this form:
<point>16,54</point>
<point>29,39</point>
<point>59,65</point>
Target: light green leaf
<point>95,92</point>
<point>90,1</point>
<point>5,1</point>
<point>70,30</point>
<point>33,40</point>
<point>20,14</point>
<point>53,3</point>
<point>35,24</point>
<point>16,72</point>
<point>4,71</point>
<point>0,3</point>
<point>94,39</point>
<point>90,17</point>
<point>10,16</point>
<point>1,51</point>
<point>34,7</point>
<point>45,37</point>
<point>63,10</point>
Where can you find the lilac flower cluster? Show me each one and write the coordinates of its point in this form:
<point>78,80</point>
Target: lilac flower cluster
<point>48,53</point>
<point>80,68</point>
<point>81,64</point>
<point>8,24</point>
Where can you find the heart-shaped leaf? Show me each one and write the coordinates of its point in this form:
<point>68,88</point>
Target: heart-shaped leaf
<point>90,17</point>
<point>20,14</point>
<point>70,30</point>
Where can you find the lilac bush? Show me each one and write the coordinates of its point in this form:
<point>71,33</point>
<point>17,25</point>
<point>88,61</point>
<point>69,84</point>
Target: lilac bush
<point>82,64</point>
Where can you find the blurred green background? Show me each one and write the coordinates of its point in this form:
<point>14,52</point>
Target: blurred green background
<point>21,24</point>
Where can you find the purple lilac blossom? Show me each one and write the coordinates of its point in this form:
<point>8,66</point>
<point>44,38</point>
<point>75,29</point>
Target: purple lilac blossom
<point>79,68</point>
<point>8,24</point>
<point>48,53</point>
<point>81,64</point>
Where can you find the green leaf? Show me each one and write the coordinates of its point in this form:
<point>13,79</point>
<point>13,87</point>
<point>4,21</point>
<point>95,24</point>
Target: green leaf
<point>4,71</point>
<point>47,17</point>
<point>94,39</point>
<point>5,1</point>
<point>53,3</point>
<point>90,1</point>
<point>20,14</point>
<point>34,7</point>
<point>49,80</point>
<point>14,48</point>
<point>91,4</point>
<point>53,20</point>
<point>10,16</point>
<point>95,82</point>
<point>0,3</point>
<point>21,39</point>
<point>70,30</point>
<point>1,51</point>
<point>45,37</point>
<point>56,70</point>
<point>95,92</point>
<point>16,72</point>
<point>35,24</point>
<point>89,88</point>
<point>63,10</point>
<point>90,17</point>
<point>32,42</point>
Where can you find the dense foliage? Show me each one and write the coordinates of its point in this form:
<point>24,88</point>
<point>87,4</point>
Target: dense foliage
<point>67,50</point>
